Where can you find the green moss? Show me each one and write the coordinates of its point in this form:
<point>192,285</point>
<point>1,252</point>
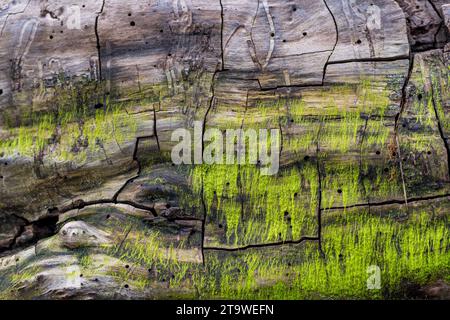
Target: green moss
<point>415,250</point>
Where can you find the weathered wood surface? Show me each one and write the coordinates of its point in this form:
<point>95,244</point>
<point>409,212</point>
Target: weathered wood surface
<point>359,90</point>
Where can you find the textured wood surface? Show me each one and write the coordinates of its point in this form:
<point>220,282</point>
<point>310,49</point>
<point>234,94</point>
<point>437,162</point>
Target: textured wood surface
<point>359,90</point>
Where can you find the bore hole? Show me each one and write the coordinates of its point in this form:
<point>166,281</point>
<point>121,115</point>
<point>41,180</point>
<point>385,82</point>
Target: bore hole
<point>284,40</point>
<point>429,152</point>
<point>286,213</point>
<point>294,9</point>
<point>358,41</point>
<point>51,37</point>
<point>228,184</point>
<point>220,226</point>
<point>378,152</point>
<point>295,194</point>
<point>161,30</point>
<point>404,125</point>
<point>108,216</point>
<point>81,275</point>
<point>129,14</point>
<point>1,92</point>
<point>132,23</point>
<point>127,266</point>
<point>305,33</point>
<point>306,158</point>
<point>272,34</point>
<point>419,96</point>
<point>339,190</point>
<point>126,286</point>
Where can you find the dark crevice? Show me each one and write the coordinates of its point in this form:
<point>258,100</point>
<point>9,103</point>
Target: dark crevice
<point>441,130</point>
<point>335,44</point>
<point>441,25</point>
<point>374,59</point>
<point>388,202</point>
<point>403,103</point>
<point>155,129</point>
<point>98,41</point>
<point>80,204</point>
<point>31,232</point>
<point>319,192</point>
<point>203,224</point>
<point>211,104</point>
<point>221,35</point>
<point>262,245</point>
<point>314,85</point>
